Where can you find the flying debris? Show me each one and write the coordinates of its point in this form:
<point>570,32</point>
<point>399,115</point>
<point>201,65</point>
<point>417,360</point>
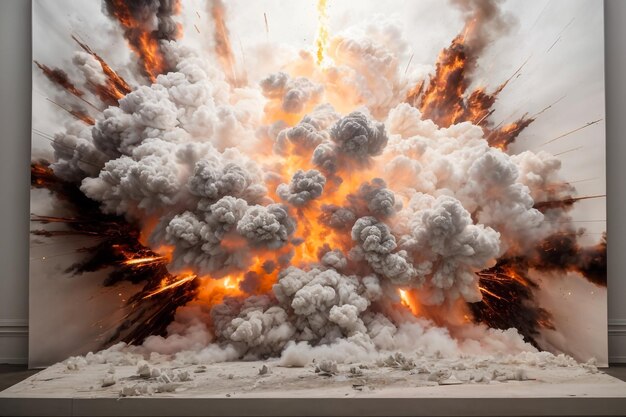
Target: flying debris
<point>114,86</point>
<point>563,204</point>
<point>60,78</point>
<point>223,48</point>
<point>586,125</point>
<point>80,114</point>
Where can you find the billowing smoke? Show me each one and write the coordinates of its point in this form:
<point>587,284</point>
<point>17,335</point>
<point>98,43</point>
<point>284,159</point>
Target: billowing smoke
<point>485,22</point>
<point>304,187</point>
<point>146,24</point>
<point>294,95</point>
<point>289,219</point>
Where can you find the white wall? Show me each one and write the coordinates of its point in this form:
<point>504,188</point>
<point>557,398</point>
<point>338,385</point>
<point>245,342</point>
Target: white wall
<point>615,38</point>
<point>15,98</point>
<point>15,104</point>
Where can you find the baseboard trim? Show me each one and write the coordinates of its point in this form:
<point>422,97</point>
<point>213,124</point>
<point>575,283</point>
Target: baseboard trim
<point>14,361</point>
<point>14,328</point>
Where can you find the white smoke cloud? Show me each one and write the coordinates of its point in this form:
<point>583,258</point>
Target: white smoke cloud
<point>75,155</point>
<point>447,246</point>
<point>89,67</point>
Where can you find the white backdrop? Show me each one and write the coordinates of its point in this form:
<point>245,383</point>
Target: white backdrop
<point>15,120</point>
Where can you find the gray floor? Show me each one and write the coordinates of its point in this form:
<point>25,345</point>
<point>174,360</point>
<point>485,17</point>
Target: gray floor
<point>12,374</point>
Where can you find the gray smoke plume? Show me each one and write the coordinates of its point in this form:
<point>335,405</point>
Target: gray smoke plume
<point>447,246</point>
<point>144,15</point>
<point>304,187</point>
<point>75,155</point>
<point>294,94</point>
<point>359,137</point>
<point>215,178</point>
<point>485,22</point>
<point>303,138</point>
<point>197,240</point>
<point>373,198</point>
<point>337,217</point>
<point>377,246</point>
<point>268,226</point>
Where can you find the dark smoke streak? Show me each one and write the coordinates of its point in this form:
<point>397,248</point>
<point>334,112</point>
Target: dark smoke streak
<point>119,242</point>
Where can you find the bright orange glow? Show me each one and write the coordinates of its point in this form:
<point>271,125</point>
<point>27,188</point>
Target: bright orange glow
<point>408,301</point>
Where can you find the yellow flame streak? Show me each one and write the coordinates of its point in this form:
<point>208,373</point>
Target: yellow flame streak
<point>485,290</point>
<point>404,297</point>
<point>174,284</point>
<point>138,261</point>
<point>406,301</point>
<point>321,40</point>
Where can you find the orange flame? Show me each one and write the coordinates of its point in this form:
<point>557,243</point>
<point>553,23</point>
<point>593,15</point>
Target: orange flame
<point>223,48</point>
<point>143,41</point>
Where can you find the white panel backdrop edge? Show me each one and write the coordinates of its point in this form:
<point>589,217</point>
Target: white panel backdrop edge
<point>15,105</point>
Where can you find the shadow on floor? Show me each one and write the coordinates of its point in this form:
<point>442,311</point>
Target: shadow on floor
<point>12,374</point>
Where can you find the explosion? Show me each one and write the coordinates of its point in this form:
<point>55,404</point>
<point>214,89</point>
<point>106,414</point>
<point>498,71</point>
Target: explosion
<point>336,202</point>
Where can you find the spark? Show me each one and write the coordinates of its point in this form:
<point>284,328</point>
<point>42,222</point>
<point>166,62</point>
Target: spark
<point>572,131</point>
<point>174,284</point>
<point>485,290</point>
<point>408,64</point>
<point>79,114</point>
<point>142,261</point>
<point>568,151</point>
<point>558,36</point>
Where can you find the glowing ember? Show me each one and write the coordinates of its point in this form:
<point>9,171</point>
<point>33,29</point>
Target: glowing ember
<point>143,261</point>
<point>166,286</point>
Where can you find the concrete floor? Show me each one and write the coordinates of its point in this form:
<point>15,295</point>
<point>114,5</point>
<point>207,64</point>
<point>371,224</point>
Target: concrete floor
<point>12,374</point>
